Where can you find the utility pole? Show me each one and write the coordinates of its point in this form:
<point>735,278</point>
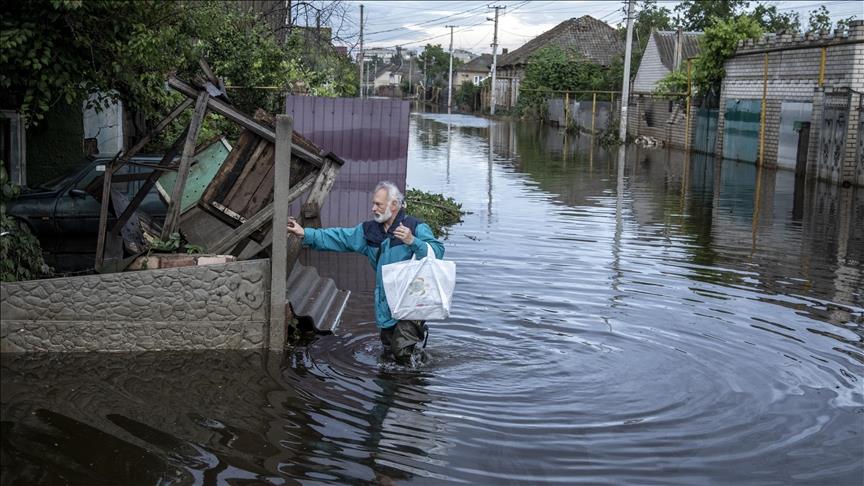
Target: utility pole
<point>494,59</point>
<point>362,56</point>
<point>625,88</point>
<point>450,81</point>
<point>410,72</point>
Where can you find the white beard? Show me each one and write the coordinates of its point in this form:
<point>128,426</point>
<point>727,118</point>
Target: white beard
<point>383,217</point>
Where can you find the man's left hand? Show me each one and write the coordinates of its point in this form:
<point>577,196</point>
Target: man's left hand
<point>403,233</point>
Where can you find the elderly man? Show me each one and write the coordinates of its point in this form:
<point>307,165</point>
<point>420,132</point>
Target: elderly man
<point>389,237</point>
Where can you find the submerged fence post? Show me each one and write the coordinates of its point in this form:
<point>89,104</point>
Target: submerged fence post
<point>593,111</point>
<point>566,110</point>
<point>687,111</point>
<point>278,259</point>
<point>762,115</point>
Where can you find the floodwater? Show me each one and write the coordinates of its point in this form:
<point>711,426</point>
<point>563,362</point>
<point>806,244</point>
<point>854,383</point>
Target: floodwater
<point>665,321</point>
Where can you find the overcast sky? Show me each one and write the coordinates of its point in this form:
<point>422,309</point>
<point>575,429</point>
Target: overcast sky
<point>416,23</point>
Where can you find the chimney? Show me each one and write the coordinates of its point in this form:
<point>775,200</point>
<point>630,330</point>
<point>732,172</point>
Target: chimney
<point>504,51</point>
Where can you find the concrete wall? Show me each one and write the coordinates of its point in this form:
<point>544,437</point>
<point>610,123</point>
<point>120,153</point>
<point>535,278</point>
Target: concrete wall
<point>205,307</point>
<point>793,75</point>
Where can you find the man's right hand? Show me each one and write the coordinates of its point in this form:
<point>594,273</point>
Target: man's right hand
<point>295,229</point>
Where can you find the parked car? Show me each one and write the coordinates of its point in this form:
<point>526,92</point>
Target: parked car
<point>65,217</point>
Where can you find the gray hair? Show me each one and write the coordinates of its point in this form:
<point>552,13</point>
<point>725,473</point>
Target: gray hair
<point>393,192</point>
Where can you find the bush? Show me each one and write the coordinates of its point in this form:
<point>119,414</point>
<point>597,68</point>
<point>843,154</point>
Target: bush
<point>20,251</point>
<point>436,210</point>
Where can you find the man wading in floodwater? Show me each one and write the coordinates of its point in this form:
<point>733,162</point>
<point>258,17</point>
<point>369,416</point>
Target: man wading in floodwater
<point>390,237</point>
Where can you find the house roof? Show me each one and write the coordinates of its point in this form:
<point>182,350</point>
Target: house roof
<point>665,40</point>
<point>594,39</point>
<point>480,64</point>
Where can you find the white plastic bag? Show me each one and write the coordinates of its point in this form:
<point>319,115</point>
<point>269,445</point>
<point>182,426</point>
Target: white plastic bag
<point>419,289</point>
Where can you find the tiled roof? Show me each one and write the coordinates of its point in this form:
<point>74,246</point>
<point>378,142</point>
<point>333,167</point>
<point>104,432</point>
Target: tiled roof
<point>592,38</point>
<point>480,64</point>
<point>665,40</point>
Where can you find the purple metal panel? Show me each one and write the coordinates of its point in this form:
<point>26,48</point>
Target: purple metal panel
<point>371,136</point>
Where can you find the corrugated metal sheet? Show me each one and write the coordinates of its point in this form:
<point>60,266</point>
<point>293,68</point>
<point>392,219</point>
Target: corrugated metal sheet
<point>315,296</point>
<point>371,136</point>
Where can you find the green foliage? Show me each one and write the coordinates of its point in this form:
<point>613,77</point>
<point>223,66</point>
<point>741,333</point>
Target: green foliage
<point>166,246</point>
<point>717,45</point>
<point>696,15</point>
<point>437,63</point>
<point>820,19</point>
<point>123,49</point>
<point>674,83</point>
<point>436,210</point>
<point>555,69</point>
<point>20,251</point>
<point>466,95</point>
<point>771,20</point>
<point>194,249</point>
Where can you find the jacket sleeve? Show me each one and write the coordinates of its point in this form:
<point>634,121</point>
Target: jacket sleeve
<point>424,236</point>
<point>344,240</point>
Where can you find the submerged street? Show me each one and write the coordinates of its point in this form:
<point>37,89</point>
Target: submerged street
<point>674,321</point>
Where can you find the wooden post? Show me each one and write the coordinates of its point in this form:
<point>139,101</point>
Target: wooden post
<point>566,110</point>
<point>311,215</point>
<point>593,112</point>
<point>687,111</point>
<point>278,263</point>
<point>103,213</point>
<point>172,217</point>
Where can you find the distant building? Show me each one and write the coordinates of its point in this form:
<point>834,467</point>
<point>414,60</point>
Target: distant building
<point>463,55</point>
<point>593,39</point>
<point>475,70</point>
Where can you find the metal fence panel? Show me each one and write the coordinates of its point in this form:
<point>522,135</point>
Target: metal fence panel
<point>371,136</point>
<point>741,135</point>
<point>705,134</point>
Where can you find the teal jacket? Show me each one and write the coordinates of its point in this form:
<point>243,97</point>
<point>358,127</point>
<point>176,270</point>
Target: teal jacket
<point>380,248</point>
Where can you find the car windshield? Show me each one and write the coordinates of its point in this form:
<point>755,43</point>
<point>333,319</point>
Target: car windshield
<point>60,181</point>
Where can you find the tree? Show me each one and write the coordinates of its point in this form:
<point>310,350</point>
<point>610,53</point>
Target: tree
<point>556,69</point>
<point>696,15</point>
<point>68,49</point>
<point>820,19</point>
<point>772,20</point>
<point>437,63</point>
<point>718,44</point>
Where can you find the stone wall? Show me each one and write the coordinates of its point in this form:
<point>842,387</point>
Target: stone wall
<point>203,307</point>
<point>793,75</point>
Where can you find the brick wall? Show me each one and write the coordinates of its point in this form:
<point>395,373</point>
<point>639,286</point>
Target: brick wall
<point>793,75</point>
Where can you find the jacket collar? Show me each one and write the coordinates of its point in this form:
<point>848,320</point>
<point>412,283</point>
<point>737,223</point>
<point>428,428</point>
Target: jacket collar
<point>374,232</point>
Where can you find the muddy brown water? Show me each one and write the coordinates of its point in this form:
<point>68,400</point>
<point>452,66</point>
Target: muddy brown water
<point>675,322</point>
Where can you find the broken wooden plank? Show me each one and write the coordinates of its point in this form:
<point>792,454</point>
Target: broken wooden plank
<point>103,213</point>
<point>148,184</point>
<point>173,215</point>
<point>140,144</point>
<point>256,222</point>
<point>235,115</point>
<point>312,208</point>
